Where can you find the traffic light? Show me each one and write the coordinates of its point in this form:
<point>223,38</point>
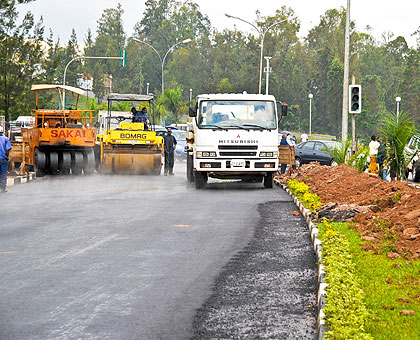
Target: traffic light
<point>355,98</point>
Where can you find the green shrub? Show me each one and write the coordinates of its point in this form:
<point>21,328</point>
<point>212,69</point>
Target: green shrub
<point>345,311</point>
<point>306,197</point>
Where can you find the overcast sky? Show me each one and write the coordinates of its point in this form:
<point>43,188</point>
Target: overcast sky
<point>401,17</point>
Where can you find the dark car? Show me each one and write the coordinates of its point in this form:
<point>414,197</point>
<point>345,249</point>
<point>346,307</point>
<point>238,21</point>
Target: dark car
<point>315,151</point>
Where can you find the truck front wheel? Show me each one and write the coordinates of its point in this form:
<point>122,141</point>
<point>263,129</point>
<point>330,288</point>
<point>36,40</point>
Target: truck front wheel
<point>200,179</point>
<point>268,180</point>
<point>190,170</point>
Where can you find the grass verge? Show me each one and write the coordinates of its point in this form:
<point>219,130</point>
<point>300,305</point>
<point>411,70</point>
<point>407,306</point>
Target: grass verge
<point>389,286</point>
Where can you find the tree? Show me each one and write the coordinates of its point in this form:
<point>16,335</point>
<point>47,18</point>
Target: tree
<point>21,54</point>
<point>397,130</point>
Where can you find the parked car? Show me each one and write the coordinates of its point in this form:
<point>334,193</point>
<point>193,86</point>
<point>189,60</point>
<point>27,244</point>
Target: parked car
<point>180,151</point>
<point>315,151</point>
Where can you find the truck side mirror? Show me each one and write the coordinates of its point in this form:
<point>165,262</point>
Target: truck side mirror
<point>192,112</point>
<point>284,108</point>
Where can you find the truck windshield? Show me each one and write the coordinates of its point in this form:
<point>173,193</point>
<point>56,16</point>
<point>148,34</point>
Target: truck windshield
<point>235,114</point>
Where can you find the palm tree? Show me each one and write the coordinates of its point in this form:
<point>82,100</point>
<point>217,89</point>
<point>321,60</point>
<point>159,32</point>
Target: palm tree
<point>172,100</point>
<point>340,151</point>
<point>397,130</point>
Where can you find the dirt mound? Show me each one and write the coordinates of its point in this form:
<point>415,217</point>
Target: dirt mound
<point>392,222</point>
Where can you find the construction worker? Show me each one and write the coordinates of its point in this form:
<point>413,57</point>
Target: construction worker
<point>5,148</point>
<point>169,149</point>
<point>140,116</point>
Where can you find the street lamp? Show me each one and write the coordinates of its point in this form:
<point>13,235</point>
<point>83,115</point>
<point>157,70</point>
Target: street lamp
<point>186,41</point>
<point>262,36</point>
<point>398,99</point>
<point>310,96</point>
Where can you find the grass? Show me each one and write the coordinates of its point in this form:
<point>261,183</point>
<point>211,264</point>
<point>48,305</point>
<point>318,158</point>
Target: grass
<point>389,287</point>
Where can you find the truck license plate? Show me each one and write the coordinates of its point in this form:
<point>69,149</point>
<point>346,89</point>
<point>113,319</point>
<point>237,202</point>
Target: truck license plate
<point>238,163</point>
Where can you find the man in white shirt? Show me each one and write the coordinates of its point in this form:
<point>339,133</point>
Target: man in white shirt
<point>303,137</point>
<point>373,146</point>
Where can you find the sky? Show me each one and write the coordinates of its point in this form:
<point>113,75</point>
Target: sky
<point>400,17</point>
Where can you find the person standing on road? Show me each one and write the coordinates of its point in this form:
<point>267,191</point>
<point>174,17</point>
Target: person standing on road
<point>283,142</point>
<point>5,148</point>
<point>303,137</point>
<point>169,149</point>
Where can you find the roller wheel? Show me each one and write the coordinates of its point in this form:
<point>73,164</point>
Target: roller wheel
<point>76,162</point>
<point>200,179</point>
<point>53,162</point>
<point>88,162</point>
<point>65,163</point>
<point>40,161</point>
<point>268,180</point>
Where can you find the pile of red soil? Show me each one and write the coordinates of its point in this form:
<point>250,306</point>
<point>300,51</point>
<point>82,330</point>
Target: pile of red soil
<point>392,222</point>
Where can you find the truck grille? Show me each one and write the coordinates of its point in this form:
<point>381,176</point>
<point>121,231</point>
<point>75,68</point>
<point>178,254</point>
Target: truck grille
<point>237,154</point>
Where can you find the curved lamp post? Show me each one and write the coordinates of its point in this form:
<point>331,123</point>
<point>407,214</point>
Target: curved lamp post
<point>186,41</point>
<point>262,36</point>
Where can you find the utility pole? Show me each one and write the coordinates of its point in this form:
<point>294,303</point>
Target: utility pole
<point>345,111</point>
<point>353,124</point>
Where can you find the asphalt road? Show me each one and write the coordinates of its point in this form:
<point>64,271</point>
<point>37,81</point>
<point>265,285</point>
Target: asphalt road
<point>120,257</point>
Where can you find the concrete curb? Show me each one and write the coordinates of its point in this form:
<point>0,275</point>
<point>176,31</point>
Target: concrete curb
<point>322,285</point>
<point>12,180</point>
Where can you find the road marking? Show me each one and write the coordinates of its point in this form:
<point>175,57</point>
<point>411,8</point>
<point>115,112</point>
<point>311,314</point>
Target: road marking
<point>182,225</point>
<point>121,238</point>
<point>93,246</point>
<point>7,252</point>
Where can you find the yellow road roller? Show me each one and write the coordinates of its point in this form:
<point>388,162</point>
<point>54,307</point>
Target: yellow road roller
<point>125,144</point>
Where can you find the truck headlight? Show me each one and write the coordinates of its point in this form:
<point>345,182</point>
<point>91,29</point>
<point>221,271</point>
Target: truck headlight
<point>205,154</point>
<point>268,154</point>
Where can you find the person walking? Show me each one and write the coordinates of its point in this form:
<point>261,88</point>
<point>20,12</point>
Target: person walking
<point>5,148</point>
<point>303,137</point>
<point>169,149</point>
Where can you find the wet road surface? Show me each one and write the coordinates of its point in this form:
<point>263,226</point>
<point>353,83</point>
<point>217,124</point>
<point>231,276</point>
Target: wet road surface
<point>120,257</point>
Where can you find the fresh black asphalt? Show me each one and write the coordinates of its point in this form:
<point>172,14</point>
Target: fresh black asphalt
<point>126,257</point>
<point>267,291</point>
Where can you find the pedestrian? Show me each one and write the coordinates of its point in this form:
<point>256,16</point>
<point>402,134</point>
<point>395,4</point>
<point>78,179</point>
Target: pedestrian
<point>303,137</point>
<point>381,156</point>
<point>169,150</point>
<point>283,142</point>
<point>373,154</point>
<point>5,148</point>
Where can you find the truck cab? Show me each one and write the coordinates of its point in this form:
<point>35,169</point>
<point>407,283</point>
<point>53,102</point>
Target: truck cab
<point>233,136</point>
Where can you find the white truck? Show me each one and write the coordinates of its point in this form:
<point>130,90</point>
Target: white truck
<point>412,151</point>
<point>233,136</point>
